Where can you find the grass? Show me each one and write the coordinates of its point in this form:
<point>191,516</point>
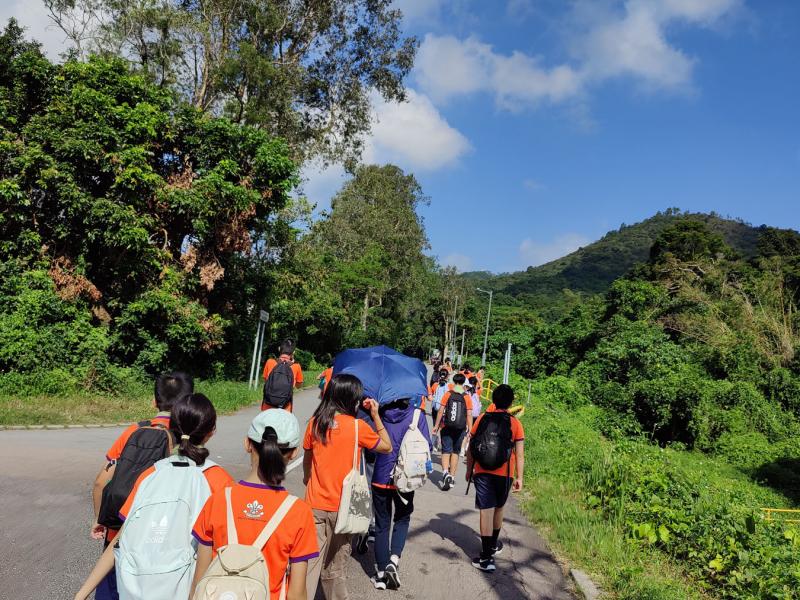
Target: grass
<point>134,404</point>
<point>563,453</point>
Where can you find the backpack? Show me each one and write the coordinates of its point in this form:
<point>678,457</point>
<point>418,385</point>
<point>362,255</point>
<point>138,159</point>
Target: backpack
<point>441,390</point>
<point>240,571</point>
<point>155,558</point>
<point>279,387</point>
<point>413,457</point>
<point>455,413</point>
<point>148,444</point>
<point>492,444</point>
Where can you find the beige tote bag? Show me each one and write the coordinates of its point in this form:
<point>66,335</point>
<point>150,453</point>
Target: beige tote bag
<point>355,505</point>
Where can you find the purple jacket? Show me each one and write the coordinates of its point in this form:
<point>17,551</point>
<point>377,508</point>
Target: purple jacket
<point>396,421</point>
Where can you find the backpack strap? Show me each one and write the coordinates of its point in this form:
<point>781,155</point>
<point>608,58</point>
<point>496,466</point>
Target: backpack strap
<point>273,523</point>
<point>233,537</point>
<point>355,448</point>
<point>415,419</point>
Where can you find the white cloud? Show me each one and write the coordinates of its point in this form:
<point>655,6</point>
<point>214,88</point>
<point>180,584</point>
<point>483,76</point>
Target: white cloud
<point>33,16</point>
<point>534,253</point>
<point>448,67</point>
<point>413,135</point>
<point>461,262</point>
<point>321,183</point>
<point>619,38</point>
<point>532,185</point>
<point>520,9</point>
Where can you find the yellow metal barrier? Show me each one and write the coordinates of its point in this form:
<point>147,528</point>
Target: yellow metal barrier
<point>784,515</point>
<point>487,385</point>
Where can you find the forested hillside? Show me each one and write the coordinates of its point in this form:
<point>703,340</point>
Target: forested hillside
<point>592,269</point>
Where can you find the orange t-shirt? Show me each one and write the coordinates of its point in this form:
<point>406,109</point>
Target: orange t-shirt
<point>333,460</point>
<point>298,379</point>
<point>113,454</point>
<point>253,504</point>
<point>517,434</point>
<point>446,399</point>
<point>216,476</point>
<point>327,374</point>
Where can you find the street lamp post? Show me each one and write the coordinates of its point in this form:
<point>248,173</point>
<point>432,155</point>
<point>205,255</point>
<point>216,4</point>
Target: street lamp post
<point>486,333</point>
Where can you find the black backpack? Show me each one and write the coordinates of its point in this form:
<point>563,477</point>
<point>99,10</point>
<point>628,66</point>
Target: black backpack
<point>279,387</point>
<point>455,413</point>
<point>147,445</point>
<point>493,443</point>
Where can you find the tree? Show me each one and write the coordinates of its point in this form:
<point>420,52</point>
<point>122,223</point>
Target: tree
<point>374,240</point>
<point>303,70</point>
<point>145,209</point>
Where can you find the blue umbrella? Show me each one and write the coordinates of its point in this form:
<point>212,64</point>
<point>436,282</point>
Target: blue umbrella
<point>387,375</point>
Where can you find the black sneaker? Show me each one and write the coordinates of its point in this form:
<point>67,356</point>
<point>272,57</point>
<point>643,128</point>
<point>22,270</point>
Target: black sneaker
<point>484,564</point>
<point>446,482</point>
<point>497,549</point>
<point>392,577</point>
<point>378,582</point>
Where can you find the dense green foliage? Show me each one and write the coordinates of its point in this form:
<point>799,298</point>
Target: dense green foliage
<point>613,505</point>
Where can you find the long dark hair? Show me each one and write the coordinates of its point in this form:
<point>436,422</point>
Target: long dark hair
<point>271,457</point>
<point>343,395</point>
<point>194,416</point>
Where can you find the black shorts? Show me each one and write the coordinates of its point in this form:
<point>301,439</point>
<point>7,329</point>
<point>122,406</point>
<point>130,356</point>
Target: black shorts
<point>452,439</point>
<point>491,491</point>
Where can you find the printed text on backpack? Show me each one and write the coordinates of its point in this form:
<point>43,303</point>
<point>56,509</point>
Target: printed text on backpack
<point>455,413</point>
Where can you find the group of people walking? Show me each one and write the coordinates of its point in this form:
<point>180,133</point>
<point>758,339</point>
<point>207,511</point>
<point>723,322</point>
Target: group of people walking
<point>176,525</point>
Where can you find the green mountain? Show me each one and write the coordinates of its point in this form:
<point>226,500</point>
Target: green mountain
<point>592,269</point>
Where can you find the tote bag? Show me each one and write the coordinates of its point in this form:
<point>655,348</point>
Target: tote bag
<point>355,505</point>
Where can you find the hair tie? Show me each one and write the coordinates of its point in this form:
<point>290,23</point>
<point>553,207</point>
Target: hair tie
<point>269,433</point>
<point>184,437</point>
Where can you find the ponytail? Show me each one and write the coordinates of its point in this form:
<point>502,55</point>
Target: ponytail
<point>192,420</point>
<point>271,458</point>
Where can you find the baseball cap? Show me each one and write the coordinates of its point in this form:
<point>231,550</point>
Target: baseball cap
<point>282,421</point>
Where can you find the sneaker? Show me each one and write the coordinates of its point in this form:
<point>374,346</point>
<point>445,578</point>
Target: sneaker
<point>378,582</point>
<point>392,577</point>
<point>497,549</point>
<point>484,564</point>
<point>446,482</point>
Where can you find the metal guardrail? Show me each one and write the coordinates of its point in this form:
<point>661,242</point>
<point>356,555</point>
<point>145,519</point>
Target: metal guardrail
<point>783,515</point>
<point>487,385</point>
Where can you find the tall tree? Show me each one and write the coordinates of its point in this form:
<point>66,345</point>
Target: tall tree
<point>301,69</point>
<point>376,241</point>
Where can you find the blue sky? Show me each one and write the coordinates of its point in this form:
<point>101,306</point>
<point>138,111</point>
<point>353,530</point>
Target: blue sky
<point>546,123</point>
<point>535,126</point>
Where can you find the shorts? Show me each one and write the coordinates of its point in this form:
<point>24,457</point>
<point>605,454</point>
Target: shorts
<point>452,440</point>
<point>491,491</point>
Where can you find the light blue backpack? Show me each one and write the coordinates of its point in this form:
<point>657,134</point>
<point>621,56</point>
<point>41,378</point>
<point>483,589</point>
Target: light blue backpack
<point>156,556</point>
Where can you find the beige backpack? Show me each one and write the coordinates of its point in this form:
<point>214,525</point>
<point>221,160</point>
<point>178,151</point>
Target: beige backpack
<point>239,572</point>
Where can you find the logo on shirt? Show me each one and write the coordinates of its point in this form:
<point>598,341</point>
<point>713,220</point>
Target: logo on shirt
<point>254,510</point>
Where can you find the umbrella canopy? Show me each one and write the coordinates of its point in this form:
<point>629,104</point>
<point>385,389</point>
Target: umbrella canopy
<point>387,375</point>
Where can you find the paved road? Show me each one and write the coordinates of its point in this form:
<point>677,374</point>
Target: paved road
<point>45,514</point>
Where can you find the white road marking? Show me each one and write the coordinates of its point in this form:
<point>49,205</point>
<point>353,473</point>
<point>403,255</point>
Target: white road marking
<point>295,463</point>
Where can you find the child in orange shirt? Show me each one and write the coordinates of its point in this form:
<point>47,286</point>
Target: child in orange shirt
<point>272,441</point>
<point>493,485</point>
<point>329,447</point>
<point>192,422</point>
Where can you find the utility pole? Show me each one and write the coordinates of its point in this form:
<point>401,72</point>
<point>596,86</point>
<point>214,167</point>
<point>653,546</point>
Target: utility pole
<point>454,330</point>
<point>507,365</point>
<point>486,333</point>
<point>258,349</point>
<point>461,356</point>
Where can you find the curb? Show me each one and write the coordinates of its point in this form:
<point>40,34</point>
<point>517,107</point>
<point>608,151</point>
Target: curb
<point>66,426</point>
<point>585,585</point>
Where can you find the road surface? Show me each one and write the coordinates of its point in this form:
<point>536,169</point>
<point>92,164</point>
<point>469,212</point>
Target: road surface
<point>45,514</point>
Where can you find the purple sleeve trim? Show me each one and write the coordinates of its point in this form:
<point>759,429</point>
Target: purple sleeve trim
<point>122,517</point>
<point>200,540</point>
<point>522,439</point>
<point>303,558</point>
<point>376,444</point>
